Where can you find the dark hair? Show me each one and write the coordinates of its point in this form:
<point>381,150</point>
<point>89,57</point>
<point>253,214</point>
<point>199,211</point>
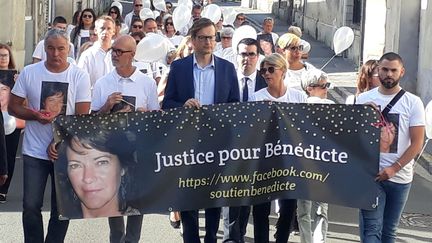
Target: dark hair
<point>391,56</point>
<point>78,28</point>
<point>51,89</point>
<point>59,20</point>
<point>139,34</point>
<point>200,24</point>
<point>149,20</point>
<point>11,59</point>
<point>117,10</point>
<point>119,143</point>
<point>249,42</point>
<point>196,6</point>
<point>75,19</point>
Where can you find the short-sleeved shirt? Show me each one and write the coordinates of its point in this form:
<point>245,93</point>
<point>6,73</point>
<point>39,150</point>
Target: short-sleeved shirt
<point>138,90</point>
<point>407,112</point>
<point>291,96</point>
<point>36,82</point>
<point>96,62</point>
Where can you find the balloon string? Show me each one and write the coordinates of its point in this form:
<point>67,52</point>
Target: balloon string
<point>328,62</point>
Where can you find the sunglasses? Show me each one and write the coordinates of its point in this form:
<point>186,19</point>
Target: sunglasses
<point>263,71</point>
<point>137,26</point>
<point>322,86</point>
<point>87,16</point>
<point>169,23</point>
<point>247,54</point>
<point>113,12</point>
<point>295,48</point>
<point>118,52</point>
<point>138,5</point>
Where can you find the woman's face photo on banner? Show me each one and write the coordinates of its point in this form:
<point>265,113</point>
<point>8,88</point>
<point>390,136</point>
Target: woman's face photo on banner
<point>95,176</point>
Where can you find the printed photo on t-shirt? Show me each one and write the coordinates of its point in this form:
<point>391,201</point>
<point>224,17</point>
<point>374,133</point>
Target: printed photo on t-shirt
<point>54,97</point>
<point>127,104</point>
<point>390,134</point>
<point>266,44</point>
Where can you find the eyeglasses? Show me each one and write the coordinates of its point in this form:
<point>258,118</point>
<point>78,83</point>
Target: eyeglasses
<point>138,5</point>
<point>247,54</point>
<point>322,86</point>
<point>87,16</point>
<point>263,71</point>
<point>226,37</point>
<point>137,26</point>
<point>206,38</point>
<point>4,55</point>
<point>113,12</point>
<point>295,48</point>
<point>118,52</point>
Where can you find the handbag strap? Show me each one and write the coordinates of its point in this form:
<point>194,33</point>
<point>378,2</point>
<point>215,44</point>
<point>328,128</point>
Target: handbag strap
<point>392,103</point>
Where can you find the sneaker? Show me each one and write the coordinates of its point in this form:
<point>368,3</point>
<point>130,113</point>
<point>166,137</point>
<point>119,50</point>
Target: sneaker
<point>2,198</point>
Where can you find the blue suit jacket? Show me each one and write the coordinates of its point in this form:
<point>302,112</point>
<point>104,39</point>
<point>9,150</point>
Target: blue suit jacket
<point>180,84</point>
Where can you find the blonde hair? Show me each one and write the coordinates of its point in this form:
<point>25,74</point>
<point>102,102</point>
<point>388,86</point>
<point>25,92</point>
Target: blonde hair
<point>276,60</point>
<point>288,39</point>
<point>295,30</point>
<point>182,46</point>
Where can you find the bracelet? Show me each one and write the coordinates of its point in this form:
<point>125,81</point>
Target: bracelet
<point>399,164</point>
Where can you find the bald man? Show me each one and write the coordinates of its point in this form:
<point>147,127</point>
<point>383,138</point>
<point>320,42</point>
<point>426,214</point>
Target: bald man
<point>125,89</point>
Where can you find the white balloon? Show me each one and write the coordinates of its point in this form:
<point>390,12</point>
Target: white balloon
<point>159,5</point>
<point>152,48</point>
<point>212,12</point>
<point>118,5</point>
<point>124,29</point>
<point>146,13</point>
<point>245,31</point>
<point>9,123</point>
<point>187,3</point>
<point>181,16</point>
<point>428,112</point>
<point>146,4</point>
<point>229,15</point>
<point>342,39</point>
<point>156,13</point>
<point>306,46</point>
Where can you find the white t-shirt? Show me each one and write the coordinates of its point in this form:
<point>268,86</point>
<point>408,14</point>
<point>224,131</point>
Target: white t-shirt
<point>40,53</point>
<point>318,100</point>
<point>96,62</point>
<point>407,112</point>
<point>293,77</point>
<point>428,112</point>
<point>138,90</point>
<point>291,96</point>
<point>36,82</point>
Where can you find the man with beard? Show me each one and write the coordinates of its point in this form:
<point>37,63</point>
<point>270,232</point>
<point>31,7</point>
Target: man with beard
<point>406,119</point>
<point>96,60</point>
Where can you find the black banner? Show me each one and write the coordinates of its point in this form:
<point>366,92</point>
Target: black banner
<point>219,155</point>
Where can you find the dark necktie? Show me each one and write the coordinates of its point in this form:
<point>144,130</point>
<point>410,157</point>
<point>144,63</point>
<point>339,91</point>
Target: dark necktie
<point>245,89</point>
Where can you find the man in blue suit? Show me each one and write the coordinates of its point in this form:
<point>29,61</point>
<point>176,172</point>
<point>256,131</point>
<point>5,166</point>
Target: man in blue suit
<point>201,79</point>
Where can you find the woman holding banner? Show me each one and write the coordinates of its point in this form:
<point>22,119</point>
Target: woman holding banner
<point>274,68</point>
<point>96,168</point>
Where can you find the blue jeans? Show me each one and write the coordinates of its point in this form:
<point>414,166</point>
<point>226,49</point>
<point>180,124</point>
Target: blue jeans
<point>380,225</point>
<point>36,172</point>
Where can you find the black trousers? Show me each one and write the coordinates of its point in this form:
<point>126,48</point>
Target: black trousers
<point>190,224</point>
<point>12,141</point>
